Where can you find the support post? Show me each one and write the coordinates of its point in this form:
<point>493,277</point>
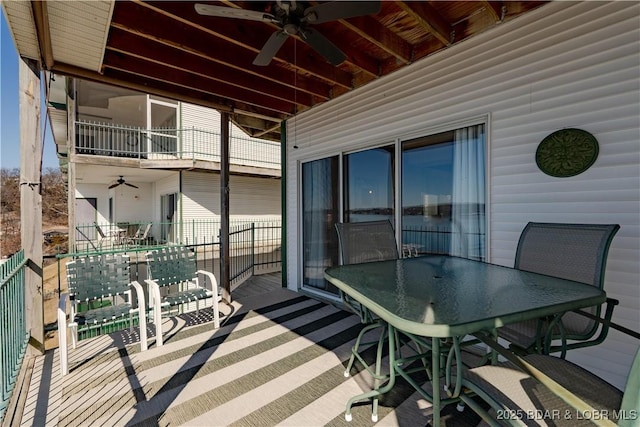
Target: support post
<point>283,200</point>
<point>71,166</point>
<point>31,200</point>
<point>224,207</point>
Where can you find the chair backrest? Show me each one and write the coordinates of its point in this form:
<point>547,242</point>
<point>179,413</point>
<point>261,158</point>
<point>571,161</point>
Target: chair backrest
<point>575,252</point>
<point>366,241</point>
<point>171,265</point>
<point>145,234</point>
<point>99,230</point>
<point>96,277</point>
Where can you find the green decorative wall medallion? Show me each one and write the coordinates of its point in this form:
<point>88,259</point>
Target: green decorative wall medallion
<point>567,152</point>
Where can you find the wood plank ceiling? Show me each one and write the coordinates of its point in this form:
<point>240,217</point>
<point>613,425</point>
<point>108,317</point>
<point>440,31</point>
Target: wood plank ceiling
<point>167,47</point>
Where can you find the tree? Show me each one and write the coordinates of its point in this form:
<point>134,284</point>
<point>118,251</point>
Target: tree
<point>54,206</point>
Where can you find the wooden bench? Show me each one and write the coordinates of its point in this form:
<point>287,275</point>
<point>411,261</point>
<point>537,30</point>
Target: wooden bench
<point>101,301</point>
<point>173,280</point>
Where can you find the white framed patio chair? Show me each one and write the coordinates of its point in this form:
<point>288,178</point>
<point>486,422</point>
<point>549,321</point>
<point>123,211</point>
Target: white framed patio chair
<point>101,299</point>
<point>575,252</point>
<point>113,236</point>
<point>141,235</point>
<point>174,280</point>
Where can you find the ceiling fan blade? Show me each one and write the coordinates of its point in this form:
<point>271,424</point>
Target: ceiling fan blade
<point>334,10</point>
<point>114,185</point>
<point>130,185</point>
<point>230,12</point>
<point>270,48</point>
<point>323,46</point>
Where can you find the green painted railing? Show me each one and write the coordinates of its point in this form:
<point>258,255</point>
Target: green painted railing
<point>13,331</point>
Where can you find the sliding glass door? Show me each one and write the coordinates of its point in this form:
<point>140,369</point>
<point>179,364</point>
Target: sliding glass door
<point>443,193</point>
<point>320,211</point>
<point>442,186</point>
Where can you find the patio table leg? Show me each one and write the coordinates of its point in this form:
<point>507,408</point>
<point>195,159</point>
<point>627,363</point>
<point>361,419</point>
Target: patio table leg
<point>377,392</point>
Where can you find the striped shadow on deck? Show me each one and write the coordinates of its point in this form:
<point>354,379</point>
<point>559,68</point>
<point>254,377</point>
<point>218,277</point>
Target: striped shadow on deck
<point>278,359</point>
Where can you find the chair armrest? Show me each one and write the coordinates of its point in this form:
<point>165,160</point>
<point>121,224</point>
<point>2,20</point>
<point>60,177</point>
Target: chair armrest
<point>142,314</point>
<point>605,321</point>
<point>211,283</point>
<point>140,301</point>
<point>154,301</point>
<point>62,333</point>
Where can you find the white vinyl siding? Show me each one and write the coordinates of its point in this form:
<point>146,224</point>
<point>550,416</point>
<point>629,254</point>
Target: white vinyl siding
<point>202,137</point>
<point>250,199</point>
<point>566,64</point>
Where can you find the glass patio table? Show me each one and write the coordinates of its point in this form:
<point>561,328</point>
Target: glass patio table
<point>447,297</point>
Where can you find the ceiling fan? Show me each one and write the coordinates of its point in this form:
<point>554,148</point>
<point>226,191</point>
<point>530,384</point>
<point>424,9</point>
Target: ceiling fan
<point>295,19</point>
<point>121,181</point>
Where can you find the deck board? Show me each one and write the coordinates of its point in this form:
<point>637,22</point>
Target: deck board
<point>278,359</point>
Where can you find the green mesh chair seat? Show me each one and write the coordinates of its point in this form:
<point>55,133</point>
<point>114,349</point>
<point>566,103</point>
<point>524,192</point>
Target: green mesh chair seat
<point>106,314</point>
<point>101,301</point>
<point>575,252</point>
<point>184,297</point>
<point>174,280</point>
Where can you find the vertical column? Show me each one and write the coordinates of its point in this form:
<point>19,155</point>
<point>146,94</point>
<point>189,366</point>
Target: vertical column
<point>31,200</point>
<point>71,166</point>
<point>283,200</point>
<point>224,207</point>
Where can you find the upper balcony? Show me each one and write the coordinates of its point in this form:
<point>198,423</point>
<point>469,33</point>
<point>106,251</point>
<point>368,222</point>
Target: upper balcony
<point>174,148</point>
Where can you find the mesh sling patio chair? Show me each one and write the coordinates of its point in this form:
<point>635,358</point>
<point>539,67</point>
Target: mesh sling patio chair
<point>575,252</point>
<point>539,389</point>
<point>101,299</point>
<point>361,242</point>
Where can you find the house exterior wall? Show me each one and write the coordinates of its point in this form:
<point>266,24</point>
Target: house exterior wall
<point>131,204</point>
<point>566,64</point>
<point>249,199</point>
<point>243,150</point>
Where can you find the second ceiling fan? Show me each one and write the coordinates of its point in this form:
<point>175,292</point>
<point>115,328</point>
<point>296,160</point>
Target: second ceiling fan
<point>121,181</point>
<point>295,19</point>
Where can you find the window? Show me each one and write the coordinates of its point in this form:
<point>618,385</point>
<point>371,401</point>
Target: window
<point>443,193</point>
<point>369,185</point>
<point>168,208</point>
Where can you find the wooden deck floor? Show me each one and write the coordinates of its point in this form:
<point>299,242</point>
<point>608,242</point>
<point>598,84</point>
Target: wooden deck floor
<point>278,359</point>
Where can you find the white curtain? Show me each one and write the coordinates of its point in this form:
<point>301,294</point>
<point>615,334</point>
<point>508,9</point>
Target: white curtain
<point>319,210</point>
<point>468,198</point>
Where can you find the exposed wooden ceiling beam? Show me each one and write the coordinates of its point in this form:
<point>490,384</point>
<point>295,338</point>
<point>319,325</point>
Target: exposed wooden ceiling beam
<point>156,70</point>
<point>92,76</point>
<point>429,18</point>
<point>495,9</point>
<point>43,32</point>
<point>355,57</point>
<point>180,59</point>
<point>167,91</point>
<point>166,31</point>
<point>374,32</point>
<point>250,40</point>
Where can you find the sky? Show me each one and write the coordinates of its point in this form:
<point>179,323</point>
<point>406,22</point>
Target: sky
<point>10,110</point>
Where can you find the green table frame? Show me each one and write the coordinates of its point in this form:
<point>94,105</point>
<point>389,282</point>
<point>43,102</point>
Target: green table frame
<point>435,297</point>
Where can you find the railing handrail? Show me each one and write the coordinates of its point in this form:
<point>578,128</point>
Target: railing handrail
<point>14,335</point>
<point>118,140</point>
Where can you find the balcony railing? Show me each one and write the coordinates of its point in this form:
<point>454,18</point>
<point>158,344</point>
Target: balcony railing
<point>254,245</point>
<point>169,144</point>
<point>13,331</point>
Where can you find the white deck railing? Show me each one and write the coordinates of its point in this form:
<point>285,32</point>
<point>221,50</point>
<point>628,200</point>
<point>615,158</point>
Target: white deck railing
<point>165,144</point>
